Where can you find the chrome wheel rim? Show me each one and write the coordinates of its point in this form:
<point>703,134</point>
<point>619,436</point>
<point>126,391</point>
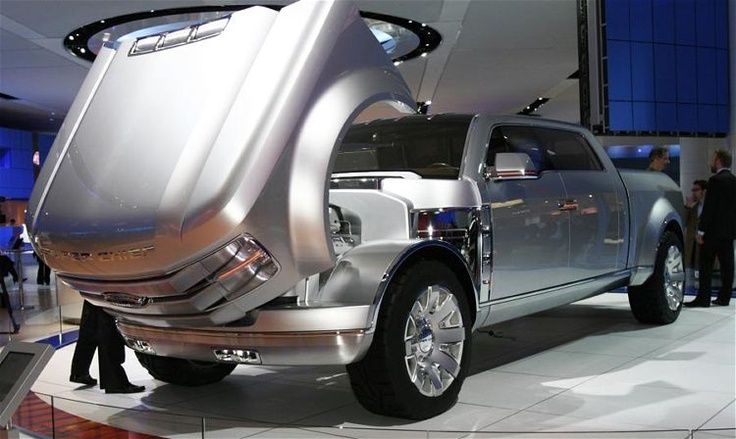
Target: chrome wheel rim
<point>674,278</point>
<point>434,337</point>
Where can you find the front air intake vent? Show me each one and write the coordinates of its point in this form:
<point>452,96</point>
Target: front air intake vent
<point>179,37</point>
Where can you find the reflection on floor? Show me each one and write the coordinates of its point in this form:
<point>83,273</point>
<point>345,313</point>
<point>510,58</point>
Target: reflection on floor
<point>36,415</point>
<point>587,367</point>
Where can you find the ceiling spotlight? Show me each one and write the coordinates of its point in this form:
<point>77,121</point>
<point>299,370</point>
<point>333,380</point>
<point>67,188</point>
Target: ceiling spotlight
<point>534,106</point>
<point>423,107</point>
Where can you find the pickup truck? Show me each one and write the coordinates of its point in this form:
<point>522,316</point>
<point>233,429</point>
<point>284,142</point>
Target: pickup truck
<point>213,188</point>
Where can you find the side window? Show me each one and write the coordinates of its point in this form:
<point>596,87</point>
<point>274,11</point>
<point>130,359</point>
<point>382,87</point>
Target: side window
<point>495,145</point>
<point>568,150</point>
<point>519,139</point>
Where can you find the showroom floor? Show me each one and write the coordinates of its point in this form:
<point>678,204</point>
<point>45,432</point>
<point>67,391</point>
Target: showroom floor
<point>587,368</point>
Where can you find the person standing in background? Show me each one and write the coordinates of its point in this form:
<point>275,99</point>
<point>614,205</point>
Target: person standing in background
<point>659,158</point>
<point>693,209</point>
<point>716,232</point>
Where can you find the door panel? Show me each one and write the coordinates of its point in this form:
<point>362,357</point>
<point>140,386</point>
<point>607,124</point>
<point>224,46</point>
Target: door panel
<point>531,235</point>
<point>597,245</point>
<point>531,230</point>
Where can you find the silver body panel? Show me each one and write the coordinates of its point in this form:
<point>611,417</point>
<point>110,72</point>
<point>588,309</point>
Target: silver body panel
<point>181,168</point>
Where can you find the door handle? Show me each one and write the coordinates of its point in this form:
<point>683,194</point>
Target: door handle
<point>567,205</point>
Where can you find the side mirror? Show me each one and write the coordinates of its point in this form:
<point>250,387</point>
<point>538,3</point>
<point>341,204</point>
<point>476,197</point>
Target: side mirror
<point>512,166</point>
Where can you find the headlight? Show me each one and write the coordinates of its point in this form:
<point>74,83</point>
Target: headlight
<point>250,267</point>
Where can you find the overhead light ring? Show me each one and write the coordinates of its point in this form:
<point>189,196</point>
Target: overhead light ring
<point>86,41</point>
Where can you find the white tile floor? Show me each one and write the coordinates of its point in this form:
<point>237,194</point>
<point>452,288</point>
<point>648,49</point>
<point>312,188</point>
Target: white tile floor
<point>587,368</point>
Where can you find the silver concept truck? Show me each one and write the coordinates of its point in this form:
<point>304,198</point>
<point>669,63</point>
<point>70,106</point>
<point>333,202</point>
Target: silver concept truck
<point>211,188</point>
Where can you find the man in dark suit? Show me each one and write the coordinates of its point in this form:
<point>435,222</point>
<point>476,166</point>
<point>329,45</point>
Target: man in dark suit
<point>716,232</point>
<point>693,209</point>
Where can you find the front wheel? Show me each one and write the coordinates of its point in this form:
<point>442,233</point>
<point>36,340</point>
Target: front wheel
<point>659,299</point>
<point>184,372</point>
<point>420,353</point>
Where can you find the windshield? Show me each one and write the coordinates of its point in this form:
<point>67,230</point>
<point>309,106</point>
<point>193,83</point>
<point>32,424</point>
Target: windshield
<point>430,146</point>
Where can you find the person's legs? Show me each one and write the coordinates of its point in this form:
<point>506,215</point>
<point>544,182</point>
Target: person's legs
<point>46,274</point>
<point>13,273</point>
<point>6,300</point>
<point>84,351</point>
<point>725,258</point>
<point>705,268</point>
<point>43,275</point>
<point>111,357</point>
<point>39,273</point>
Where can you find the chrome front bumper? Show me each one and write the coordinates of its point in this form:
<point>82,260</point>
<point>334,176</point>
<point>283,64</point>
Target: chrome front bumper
<point>282,336</point>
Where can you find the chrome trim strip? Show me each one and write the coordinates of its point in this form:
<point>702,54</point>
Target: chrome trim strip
<point>287,336</point>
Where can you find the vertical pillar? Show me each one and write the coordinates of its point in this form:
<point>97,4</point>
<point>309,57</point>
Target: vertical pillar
<point>695,157</point>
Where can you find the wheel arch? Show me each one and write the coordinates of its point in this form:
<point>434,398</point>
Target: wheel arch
<point>663,218</point>
<point>660,299</point>
<point>363,274</point>
<point>441,252</point>
<point>676,228</point>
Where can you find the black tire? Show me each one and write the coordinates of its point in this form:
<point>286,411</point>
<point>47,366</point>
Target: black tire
<point>659,299</point>
<point>423,333</point>
<point>184,372</point>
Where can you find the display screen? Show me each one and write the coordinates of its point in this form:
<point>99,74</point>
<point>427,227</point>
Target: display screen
<point>666,66</point>
<point>11,369</point>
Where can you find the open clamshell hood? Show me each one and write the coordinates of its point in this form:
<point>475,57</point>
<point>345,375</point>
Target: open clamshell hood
<point>181,142</point>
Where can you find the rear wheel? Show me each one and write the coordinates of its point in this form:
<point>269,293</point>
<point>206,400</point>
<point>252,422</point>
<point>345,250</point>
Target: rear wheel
<point>659,299</point>
<point>420,353</point>
<point>184,372</point>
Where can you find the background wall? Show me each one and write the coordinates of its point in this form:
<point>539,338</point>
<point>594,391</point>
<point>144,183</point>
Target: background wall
<point>17,169</point>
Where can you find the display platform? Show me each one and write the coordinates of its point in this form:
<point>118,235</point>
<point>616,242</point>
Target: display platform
<point>587,368</point>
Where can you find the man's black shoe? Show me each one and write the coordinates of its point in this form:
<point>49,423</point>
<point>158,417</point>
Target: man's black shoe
<point>16,328</point>
<point>720,303</point>
<point>129,388</point>
<point>83,379</point>
<point>697,304</point>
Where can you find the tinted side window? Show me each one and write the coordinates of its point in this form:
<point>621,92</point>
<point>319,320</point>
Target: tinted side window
<point>519,139</point>
<point>548,148</point>
<point>429,146</point>
<point>568,150</point>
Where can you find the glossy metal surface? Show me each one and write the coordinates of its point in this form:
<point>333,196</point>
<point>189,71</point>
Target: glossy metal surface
<point>553,226</point>
<point>531,237</point>
<point>391,219</point>
<point>598,224</point>
<point>655,202</point>
<point>137,160</point>
<point>147,189</point>
<point>214,141</point>
<point>433,336</point>
<point>284,336</point>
